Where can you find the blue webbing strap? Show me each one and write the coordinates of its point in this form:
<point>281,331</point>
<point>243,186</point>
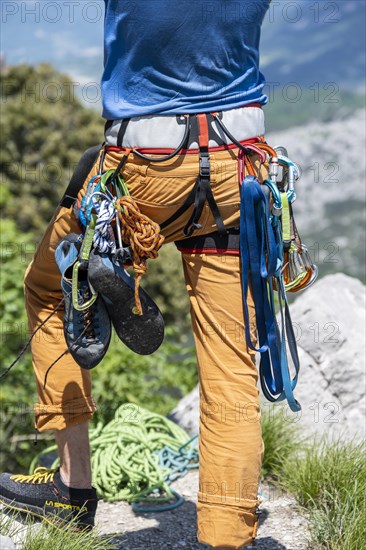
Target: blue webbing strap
<point>261,259</point>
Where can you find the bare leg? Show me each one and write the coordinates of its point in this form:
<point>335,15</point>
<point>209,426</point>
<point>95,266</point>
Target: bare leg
<point>74,452</point>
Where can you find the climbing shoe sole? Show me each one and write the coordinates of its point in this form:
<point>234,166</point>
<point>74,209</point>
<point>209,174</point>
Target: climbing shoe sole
<point>144,333</point>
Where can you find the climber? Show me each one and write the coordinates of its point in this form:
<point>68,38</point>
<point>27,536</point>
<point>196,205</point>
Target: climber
<point>175,74</point>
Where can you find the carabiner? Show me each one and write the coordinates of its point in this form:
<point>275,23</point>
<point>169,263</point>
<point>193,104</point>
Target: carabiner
<point>273,170</point>
<point>281,150</point>
<point>75,287</point>
<point>277,201</point>
<point>285,161</point>
<point>309,265</point>
<point>294,174</point>
<point>262,154</point>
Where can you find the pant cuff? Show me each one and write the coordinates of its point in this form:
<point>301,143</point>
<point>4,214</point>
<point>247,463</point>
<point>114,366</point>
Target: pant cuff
<point>64,415</point>
<point>225,525</point>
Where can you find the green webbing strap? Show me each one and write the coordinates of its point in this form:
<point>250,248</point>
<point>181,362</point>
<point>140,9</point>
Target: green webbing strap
<point>88,240</point>
<point>296,270</point>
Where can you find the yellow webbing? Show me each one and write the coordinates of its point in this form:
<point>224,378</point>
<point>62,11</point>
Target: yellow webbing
<point>286,221</point>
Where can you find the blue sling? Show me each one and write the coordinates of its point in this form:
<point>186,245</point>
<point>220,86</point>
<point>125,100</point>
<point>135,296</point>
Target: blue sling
<point>261,251</point>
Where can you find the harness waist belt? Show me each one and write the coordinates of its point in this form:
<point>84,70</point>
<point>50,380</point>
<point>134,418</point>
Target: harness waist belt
<point>167,131</point>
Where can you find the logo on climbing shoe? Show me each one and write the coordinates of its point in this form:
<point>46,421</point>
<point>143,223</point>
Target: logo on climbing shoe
<point>63,506</point>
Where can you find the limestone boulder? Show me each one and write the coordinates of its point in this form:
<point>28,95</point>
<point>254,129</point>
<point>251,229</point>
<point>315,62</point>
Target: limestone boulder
<point>329,321</point>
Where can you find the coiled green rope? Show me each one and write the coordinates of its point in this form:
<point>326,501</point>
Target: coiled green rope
<point>136,456</point>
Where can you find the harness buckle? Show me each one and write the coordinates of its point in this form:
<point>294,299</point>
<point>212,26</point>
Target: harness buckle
<point>204,165</point>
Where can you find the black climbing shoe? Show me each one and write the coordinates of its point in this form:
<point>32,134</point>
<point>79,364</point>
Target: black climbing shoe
<point>144,333</point>
<point>44,495</point>
<point>87,333</point>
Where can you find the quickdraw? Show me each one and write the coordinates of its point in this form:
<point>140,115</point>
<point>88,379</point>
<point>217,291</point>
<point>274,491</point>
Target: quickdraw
<point>81,265</point>
<point>299,272</point>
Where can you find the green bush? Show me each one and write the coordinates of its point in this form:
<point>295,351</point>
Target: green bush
<point>43,136</point>
<point>155,382</point>
<point>45,129</point>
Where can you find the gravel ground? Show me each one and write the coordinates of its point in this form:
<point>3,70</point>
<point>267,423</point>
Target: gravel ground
<point>281,526</point>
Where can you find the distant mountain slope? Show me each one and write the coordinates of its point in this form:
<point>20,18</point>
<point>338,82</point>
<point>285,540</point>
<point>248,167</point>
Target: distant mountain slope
<point>302,41</point>
<point>324,43</point>
<point>330,208</point>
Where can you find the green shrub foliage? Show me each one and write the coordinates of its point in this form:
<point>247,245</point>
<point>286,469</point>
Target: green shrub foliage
<point>45,130</point>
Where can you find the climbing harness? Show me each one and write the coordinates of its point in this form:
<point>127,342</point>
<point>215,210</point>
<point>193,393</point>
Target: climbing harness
<point>137,461</point>
<point>201,191</point>
<point>114,224</point>
<point>136,457</point>
<point>273,257</point>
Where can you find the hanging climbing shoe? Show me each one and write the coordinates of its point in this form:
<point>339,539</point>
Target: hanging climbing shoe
<point>144,333</point>
<point>87,332</point>
<point>43,494</point>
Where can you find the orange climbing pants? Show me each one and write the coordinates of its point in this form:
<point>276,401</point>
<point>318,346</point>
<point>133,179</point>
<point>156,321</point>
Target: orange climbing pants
<point>230,442</point>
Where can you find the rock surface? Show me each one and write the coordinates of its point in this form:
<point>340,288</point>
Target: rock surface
<point>6,543</point>
<point>281,526</point>
<point>329,321</point>
<point>186,413</point>
<point>329,211</point>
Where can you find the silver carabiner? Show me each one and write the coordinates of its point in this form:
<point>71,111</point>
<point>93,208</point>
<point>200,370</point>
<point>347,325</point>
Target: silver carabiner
<point>293,175</point>
<point>307,258</point>
<point>299,263</point>
<point>292,267</point>
<point>310,266</point>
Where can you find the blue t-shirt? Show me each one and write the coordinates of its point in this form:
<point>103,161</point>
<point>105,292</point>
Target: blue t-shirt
<point>181,56</point>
